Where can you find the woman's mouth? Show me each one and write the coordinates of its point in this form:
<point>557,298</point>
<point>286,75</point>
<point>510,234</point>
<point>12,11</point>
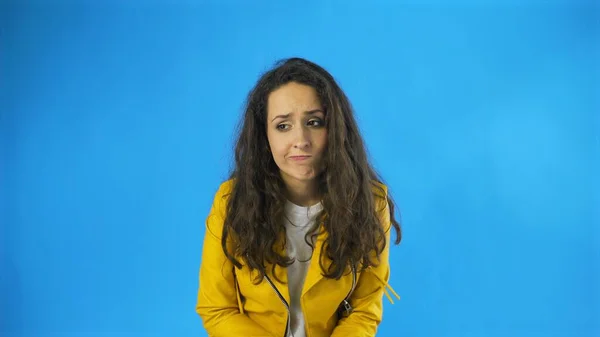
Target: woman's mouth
<point>299,158</point>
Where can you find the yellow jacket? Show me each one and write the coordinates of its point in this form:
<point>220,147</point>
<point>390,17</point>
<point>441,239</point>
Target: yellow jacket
<point>231,309</point>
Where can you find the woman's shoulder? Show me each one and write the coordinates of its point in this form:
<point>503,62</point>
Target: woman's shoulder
<point>225,188</point>
<point>216,216</point>
<point>221,196</point>
<point>380,190</point>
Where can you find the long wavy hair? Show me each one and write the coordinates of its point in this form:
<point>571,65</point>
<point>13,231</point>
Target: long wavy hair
<point>254,222</point>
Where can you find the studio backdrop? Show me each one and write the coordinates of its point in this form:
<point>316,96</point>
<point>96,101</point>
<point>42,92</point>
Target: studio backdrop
<point>117,122</point>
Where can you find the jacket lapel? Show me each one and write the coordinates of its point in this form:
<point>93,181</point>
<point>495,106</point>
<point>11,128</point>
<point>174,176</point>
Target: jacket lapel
<point>280,272</point>
<point>315,273</point>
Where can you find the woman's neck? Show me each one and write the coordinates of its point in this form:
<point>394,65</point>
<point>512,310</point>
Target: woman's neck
<point>302,194</point>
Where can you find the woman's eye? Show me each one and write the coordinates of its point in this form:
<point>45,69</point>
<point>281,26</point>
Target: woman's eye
<point>315,122</point>
<point>282,126</point>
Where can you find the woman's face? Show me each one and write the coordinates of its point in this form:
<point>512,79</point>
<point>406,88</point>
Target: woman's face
<point>296,132</point>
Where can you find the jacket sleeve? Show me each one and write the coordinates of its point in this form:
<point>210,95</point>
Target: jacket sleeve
<point>367,298</point>
<point>217,302</point>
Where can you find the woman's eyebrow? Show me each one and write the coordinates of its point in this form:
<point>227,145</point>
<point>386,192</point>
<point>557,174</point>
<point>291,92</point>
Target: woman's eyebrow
<point>308,112</point>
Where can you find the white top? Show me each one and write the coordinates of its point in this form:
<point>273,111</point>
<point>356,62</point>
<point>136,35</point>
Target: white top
<point>301,219</point>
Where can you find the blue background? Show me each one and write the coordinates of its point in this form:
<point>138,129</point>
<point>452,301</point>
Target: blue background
<point>116,123</point>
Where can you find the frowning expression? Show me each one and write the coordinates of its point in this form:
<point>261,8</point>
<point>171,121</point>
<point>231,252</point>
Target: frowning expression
<point>296,131</point>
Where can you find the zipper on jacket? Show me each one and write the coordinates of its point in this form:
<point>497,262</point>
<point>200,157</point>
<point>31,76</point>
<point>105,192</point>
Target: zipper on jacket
<point>287,306</point>
<point>347,307</point>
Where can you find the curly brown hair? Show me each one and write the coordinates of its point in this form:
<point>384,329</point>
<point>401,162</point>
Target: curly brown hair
<point>255,208</point>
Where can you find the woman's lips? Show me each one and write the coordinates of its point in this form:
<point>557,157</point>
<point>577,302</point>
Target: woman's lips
<point>299,158</point>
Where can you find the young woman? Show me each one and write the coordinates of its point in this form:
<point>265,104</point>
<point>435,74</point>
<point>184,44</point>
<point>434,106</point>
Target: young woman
<point>297,240</point>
